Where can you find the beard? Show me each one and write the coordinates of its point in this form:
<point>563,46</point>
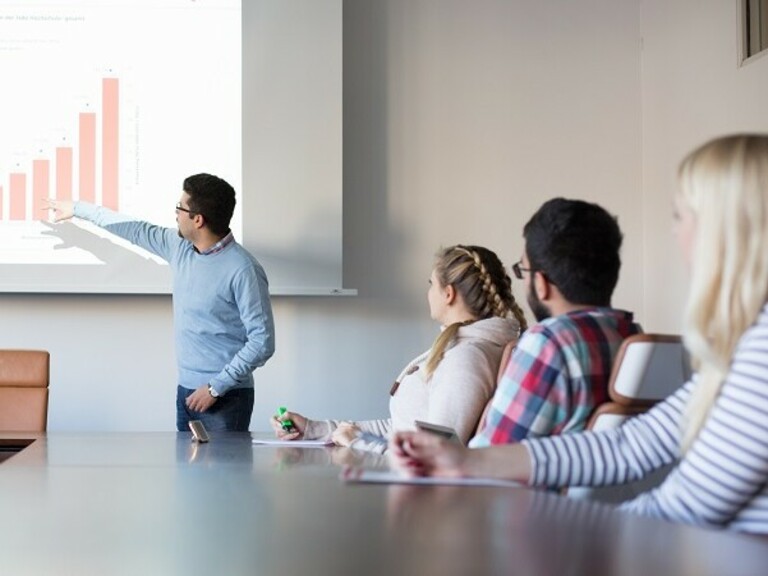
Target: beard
<point>540,311</point>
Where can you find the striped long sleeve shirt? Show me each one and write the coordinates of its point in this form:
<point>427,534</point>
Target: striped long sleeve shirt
<point>721,481</point>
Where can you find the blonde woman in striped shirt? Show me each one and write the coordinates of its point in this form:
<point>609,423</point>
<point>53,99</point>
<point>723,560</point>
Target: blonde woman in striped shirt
<point>716,426</point>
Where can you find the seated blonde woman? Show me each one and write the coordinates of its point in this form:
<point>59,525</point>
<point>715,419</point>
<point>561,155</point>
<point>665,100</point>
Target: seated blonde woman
<point>470,295</point>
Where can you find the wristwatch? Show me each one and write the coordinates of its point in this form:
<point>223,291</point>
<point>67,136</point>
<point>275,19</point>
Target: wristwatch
<point>212,392</point>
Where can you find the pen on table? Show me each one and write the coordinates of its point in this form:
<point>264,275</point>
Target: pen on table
<point>369,437</point>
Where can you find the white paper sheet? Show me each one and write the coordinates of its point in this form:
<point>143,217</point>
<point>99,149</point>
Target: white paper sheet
<point>389,477</point>
<point>293,443</point>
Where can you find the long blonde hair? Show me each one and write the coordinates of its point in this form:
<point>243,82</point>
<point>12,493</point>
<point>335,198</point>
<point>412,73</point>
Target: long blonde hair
<point>725,185</point>
<point>478,275</point>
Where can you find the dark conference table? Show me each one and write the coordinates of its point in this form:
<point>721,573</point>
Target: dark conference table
<point>158,504</point>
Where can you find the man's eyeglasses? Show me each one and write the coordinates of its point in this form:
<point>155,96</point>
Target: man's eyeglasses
<point>518,270</point>
<point>180,208</point>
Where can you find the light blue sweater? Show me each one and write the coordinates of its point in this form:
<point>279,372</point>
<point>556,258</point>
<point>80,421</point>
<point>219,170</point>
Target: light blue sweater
<point>221,308</point>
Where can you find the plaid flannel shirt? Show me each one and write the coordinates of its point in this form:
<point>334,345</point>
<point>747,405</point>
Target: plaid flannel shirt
<point>556,376</point>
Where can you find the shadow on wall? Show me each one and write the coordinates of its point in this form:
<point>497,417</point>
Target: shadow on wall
<point>374,248</point>
<point>123,268</point>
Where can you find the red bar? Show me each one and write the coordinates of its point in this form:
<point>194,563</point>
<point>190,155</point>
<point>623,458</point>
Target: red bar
<point>87,156</point>
<point>18,197</point>
<point>109,142</point>
<point>41,176</point>
<point>64,173</point>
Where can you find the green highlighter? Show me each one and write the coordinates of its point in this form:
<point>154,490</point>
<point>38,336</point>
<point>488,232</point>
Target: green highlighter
<point>287,424</point>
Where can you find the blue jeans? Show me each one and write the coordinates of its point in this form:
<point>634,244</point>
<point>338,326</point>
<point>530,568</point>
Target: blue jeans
<point>231,412</point>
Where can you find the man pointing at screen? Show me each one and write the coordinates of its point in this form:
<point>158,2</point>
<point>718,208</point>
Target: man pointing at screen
<point>222,313</point>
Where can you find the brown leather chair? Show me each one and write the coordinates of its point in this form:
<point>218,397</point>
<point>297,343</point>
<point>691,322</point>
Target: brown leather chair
<point>505,354</point>
<point>647,369</point>
<point>24,377</point>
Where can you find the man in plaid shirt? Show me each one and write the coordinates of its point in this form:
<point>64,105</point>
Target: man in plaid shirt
<point>559,371</point>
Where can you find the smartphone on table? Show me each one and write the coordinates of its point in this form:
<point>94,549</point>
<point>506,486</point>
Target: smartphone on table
<point>199,433</point>
<point>443,431</point>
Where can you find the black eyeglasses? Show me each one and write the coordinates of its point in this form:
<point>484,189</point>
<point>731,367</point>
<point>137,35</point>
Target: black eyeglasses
<point>180,208</point>
<point>518,270</point>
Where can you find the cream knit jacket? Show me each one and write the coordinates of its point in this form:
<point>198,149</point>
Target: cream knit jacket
<point>456,394</point>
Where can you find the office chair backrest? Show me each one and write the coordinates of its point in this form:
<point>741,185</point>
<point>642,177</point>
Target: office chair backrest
<point>24,377</point>
<point>647,369</point>
<point>505,354</point>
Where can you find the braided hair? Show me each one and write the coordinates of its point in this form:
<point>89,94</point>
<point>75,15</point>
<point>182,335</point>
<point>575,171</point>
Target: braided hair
<point>485,287</point>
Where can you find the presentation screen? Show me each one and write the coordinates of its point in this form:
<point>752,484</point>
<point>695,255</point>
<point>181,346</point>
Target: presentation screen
<point>116,102</point>
<point>113,103</point>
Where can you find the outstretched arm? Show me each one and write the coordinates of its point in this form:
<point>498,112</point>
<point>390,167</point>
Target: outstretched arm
<point>156,239</point>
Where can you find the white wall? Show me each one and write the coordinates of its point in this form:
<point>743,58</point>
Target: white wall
<point>693,90</point>
<point>292,141</point>
<point>460,119</point>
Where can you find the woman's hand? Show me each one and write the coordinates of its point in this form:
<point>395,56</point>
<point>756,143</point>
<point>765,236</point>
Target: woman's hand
<point>296,432</point>
<point>345,434</point>
<point>425,454</point>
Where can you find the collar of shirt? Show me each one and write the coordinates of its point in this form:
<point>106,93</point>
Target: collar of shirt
<point>220,245</point>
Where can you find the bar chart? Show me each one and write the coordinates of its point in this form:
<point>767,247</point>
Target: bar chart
<point>52,175</point>
<point>100,106</point>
